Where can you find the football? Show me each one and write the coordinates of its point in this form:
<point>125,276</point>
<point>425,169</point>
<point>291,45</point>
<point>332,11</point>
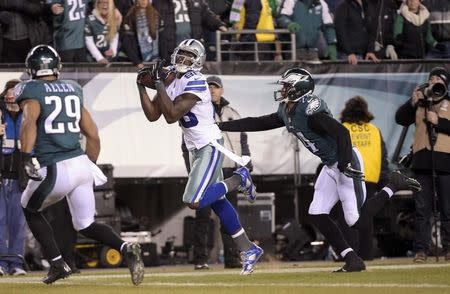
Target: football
<point>146,79</point>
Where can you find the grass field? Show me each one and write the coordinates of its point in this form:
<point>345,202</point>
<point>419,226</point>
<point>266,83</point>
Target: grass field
<point>382,276</point>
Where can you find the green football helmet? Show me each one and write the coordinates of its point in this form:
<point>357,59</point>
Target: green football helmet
<point>42,60</point>
<point>297,83</point>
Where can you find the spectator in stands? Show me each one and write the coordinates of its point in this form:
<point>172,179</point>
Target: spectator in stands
<point>367,137</point>
<point>332,6</point>
<point>254,15</point>
<point>183,20</point>
<point>440,27</point>
<point>12,219</point>
<point>102,31</point>
<point>68,29</point>
<point>313,26</point>
<point>412,31</point>
<point>222,9</point>
<point>125,5</point>
<point>382,14</point>
<point>140,33</point>
<point>24,28</point>
<point>355,36</point>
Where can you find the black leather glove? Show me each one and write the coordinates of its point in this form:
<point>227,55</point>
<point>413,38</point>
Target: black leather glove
<point>158,73</point>
<point>249,166</point>
<point>142,73</point>
<point>29,168</point>
<point>350,172</point>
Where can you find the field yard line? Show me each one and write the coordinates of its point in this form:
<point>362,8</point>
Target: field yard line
<point>278,285</point>
<point>29,279</point>
<point>352,285</point>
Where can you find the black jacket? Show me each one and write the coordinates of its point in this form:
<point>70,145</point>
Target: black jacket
<point>353,31</point>
<point>200,16</point>
<point>32,12</point>
<point>440,14</point>
<point>421,160</point>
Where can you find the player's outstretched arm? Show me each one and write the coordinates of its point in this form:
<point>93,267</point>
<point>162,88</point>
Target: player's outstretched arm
<point>150,107</point>
<point>252,124</point>
<point>90,131</point>
<point>28,129</point>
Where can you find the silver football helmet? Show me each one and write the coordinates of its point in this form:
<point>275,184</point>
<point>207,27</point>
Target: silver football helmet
<point>189,55</point>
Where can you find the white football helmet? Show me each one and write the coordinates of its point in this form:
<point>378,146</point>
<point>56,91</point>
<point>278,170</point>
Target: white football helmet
<point>189,55</point>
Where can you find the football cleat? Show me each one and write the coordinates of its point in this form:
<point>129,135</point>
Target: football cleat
<point>353,263</point>
<point>133,258</point>
<point>250,258</point>
<point>58,270</point>
<point>247,187</point>
<point>202,266</point>
<point>398,181</point>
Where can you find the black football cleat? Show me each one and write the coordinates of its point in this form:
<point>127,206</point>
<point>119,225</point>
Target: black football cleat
<point>398,181</point>
<point>58,270</point>
<point>353,263</point>
<point>133,259</point>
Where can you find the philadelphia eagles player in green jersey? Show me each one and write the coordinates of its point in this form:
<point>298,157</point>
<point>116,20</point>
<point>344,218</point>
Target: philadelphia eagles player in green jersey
<point>53,120</point>
<point>341,179</point>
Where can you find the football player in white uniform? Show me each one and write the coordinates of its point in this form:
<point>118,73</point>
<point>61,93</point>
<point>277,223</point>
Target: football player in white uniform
<point>183,96</point>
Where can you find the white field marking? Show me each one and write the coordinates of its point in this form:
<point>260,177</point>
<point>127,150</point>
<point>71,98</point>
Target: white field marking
<point>94,277</point>
<point>239,285</point>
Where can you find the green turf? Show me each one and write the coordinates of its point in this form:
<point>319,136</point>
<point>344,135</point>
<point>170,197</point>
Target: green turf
<point>388,276</point>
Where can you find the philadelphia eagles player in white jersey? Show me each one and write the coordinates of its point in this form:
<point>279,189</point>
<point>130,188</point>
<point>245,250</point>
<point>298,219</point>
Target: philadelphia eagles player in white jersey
<point>183,96</point>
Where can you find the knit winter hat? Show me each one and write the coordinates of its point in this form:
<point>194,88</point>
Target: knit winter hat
<point>442,73</point>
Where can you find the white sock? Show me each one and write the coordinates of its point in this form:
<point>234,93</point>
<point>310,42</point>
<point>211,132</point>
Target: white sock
<point>388,191</point>
<point>123,244</point>
<point>345,252</point>
<point>57,258</point>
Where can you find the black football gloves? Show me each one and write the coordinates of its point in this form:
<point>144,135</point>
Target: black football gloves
<point>157,71</point>
<point>355,174</point>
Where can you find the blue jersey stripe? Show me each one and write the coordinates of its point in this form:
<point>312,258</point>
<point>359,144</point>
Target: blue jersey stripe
<point>200,82</point>
<point>195,88</point>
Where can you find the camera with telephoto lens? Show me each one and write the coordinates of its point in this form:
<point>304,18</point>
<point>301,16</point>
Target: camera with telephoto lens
<point>435,92</point>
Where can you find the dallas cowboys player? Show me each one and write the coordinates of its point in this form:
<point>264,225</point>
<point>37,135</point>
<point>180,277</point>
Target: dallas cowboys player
<point>187,100</point>
<point>341,179</point>
<point>53,118</point>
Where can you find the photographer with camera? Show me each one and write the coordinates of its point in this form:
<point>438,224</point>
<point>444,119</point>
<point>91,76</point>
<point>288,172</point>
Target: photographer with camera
<point>429,109</point>
<point>12,219</point>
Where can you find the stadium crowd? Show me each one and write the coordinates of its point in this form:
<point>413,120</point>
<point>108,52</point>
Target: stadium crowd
<point>139,31</point>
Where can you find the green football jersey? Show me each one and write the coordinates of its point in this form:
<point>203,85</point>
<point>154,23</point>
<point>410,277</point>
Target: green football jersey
<point>97,29</point>
<point>296,122</point>
<point>58,126</point>
<point>68,26</point>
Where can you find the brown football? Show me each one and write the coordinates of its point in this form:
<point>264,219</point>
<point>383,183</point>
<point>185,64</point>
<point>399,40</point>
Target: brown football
<point>147,80</point>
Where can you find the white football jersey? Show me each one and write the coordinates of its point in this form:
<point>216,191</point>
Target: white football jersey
<point>198,125</point>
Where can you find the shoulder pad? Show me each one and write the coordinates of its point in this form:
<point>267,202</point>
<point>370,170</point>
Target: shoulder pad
<point>314,103</point>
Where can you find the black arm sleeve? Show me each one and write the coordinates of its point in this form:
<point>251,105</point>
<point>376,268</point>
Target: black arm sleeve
<point>252,124</point>
<point>384,162</point>
<point>324,124</point>
<point>443,126</point>
<point>406,114</point>
<point>244,144</point>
